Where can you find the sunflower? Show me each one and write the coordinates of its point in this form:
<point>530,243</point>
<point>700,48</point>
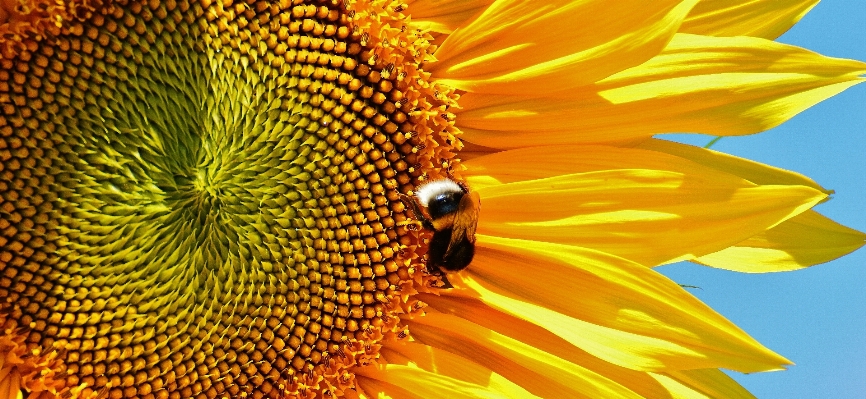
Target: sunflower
<point>208,199</point>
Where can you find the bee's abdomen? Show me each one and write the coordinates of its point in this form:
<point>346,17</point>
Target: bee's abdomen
<point>461,252</point>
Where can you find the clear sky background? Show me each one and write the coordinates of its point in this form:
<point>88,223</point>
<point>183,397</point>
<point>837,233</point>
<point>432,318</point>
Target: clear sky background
<point>815,317</point>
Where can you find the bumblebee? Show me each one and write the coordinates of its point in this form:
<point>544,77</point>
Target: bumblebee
<point>450,210</point>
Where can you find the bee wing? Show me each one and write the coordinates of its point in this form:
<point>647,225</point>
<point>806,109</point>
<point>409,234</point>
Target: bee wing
<point>465,221</point>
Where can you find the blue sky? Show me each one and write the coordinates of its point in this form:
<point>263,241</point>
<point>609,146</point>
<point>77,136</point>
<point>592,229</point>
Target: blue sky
<point>814,317</point>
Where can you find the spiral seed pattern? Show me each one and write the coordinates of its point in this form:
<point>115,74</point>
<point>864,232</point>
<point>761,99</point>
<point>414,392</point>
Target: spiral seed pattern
<point>203,200</point>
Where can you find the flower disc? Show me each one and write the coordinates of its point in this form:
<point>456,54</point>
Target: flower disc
<point>203,200</point>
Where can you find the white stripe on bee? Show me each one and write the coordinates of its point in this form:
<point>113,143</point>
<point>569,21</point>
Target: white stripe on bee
<point>430,190</point>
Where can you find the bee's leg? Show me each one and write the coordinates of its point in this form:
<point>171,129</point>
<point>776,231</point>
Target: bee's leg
<point>431,267</point>
<point>449,170</point>
<point>446,284</point>
<point>416,211</point>
<point>411,224</point>
<point>436,271</point>
<point>449,173</point>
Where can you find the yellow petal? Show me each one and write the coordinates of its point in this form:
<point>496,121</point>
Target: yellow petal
<point>757,18</point>
<point>10,385</point>
<point>523,331</point>
<point>419,371</point>
<point>703,383</point>
<point>614,309</point>
<point>444,16</point>
<point>518,46</point>
<point>799,242</point>
<point>374,389</point>
<point>698,84</point>
<point>512,166</point>
<point>523,164</point>
<point>650,216</point>
<point>538,371</point>
<point>359,393</point>
<point>752,171</point>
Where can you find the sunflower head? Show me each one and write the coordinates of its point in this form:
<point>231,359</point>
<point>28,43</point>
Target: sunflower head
<point>204,197</point>
<point>212,199</point>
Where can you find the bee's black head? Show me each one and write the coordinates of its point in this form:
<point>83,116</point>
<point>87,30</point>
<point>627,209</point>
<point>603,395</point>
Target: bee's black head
<point>440,197</point>
<point>444,203</point>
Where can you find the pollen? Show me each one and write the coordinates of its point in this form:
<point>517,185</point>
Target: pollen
<point>202,200</point>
